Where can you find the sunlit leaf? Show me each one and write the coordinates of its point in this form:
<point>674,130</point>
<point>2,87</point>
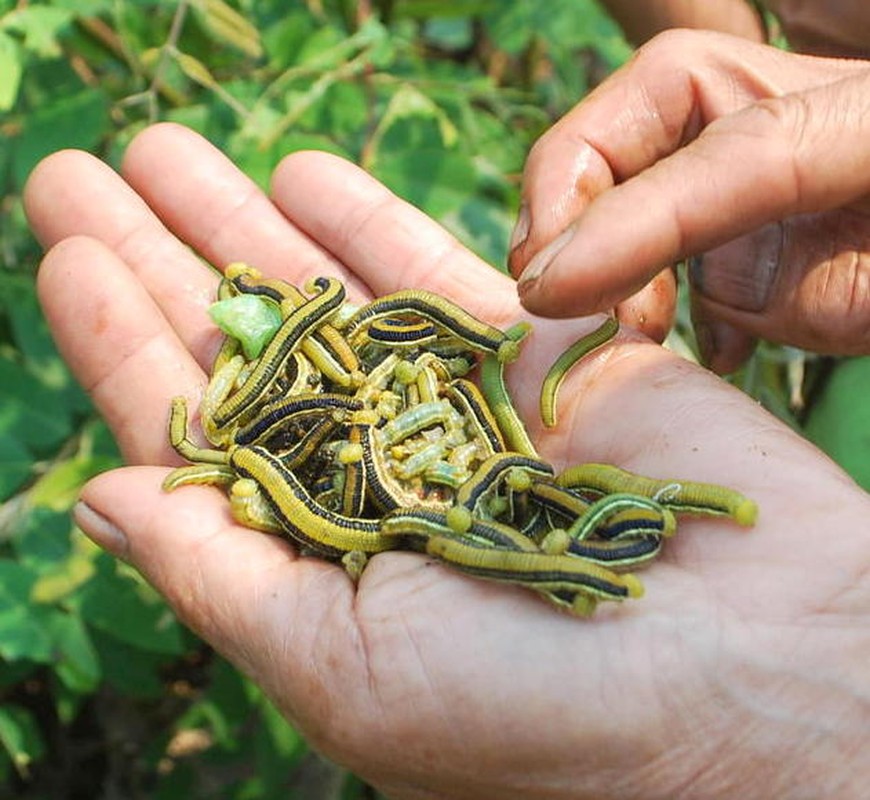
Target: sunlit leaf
<point>10,71</point>
<point>411,102</point>
<point>58,488</point>
<point>195,70</point>
<point>229,26</point>
<point>39,26</point>
<point>62,581</point>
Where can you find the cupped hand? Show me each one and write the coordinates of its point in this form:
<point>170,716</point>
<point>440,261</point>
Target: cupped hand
<point>749,159</point>
<point>721,681</point>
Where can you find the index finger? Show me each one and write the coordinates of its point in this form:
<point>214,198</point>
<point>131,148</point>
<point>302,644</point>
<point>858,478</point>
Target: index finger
<point>619,167</point>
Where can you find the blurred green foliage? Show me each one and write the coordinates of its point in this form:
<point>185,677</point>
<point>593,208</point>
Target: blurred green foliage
<point>102,692</point>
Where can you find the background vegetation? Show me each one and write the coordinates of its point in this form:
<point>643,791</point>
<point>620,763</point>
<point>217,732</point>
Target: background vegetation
<point>102,693</point>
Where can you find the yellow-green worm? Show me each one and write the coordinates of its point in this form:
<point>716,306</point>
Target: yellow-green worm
<point>620,515</point>
<point>495,393</point>
<point>539,571</point>
<point>492,471</point>
<point>556,374</point>
<point>308,523</point>
<point>464,326</point>
<point>681,496</point>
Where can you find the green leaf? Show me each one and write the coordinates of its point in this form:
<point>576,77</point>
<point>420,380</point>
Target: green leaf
<point>31,334</point>
<point>451,34</point>
<point>276,744</point>
<point>434,179</point>
<point>128,669</point>
<point>839,422</point>
<point>229,26</point>
<point>15,583</point>
<point>15,463</point>
<point>31,412</point>
<point>410,102</point>
<point>284,37</point>
<point>59,487</point>
<point>127,610</point>
<point>11,69</point>
<point>42,540</point>
<point>224,706</point>
<point>56,584</point>
<point>83,8</point>
<point>78,120</point>
<point>19,735</point>
<point>23,626</point>
<point>484,227</point>
<point>40,27</point>
<point>77,664</point>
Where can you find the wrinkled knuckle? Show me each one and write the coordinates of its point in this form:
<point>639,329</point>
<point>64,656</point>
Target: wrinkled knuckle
<point>672,49</point>
<point>836,315</point>
<point>778,129</point>
<point>783,117</point>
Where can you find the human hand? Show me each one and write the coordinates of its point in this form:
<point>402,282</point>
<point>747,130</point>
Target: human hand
<point>706,143</point>
<point>820,27</point>
<point>640,20</point>
<point>741,671</point>
<point>825,27</point>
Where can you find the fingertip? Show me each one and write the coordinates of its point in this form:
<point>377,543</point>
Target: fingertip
<point>50,165</point>
<point>47,186</point>
<point>159,137</point>
<point>310,160</point>
<point>563,174</point>
<point>722,347</point>
<point>652,310</point>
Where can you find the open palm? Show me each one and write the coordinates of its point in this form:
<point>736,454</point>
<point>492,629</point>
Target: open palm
<point>428,683</point>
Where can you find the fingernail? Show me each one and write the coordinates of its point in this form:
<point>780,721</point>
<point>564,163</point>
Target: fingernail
<point>538,265</point>
<point>521,229</point>
<point>106,534</point>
